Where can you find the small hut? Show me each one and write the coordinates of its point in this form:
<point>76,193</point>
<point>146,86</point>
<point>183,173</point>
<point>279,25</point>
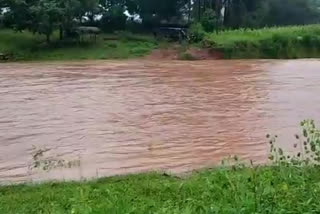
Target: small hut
<point>84,31</point>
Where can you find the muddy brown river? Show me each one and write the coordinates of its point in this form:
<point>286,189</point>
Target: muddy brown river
<point>101,118</point>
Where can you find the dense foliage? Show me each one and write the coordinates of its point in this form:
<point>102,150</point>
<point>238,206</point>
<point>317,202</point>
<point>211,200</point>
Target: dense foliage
<point>260,13</point>
<point>226,25</point>
<point>45,16</point>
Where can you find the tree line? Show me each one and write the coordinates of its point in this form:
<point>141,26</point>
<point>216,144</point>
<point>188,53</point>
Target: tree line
<point>46,16</point>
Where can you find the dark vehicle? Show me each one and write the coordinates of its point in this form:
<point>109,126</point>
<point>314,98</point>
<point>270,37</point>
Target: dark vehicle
<point>5,56</point>
<point>172,33</point>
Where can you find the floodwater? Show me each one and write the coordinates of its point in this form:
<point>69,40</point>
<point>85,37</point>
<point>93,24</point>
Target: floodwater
<point>101,118</point>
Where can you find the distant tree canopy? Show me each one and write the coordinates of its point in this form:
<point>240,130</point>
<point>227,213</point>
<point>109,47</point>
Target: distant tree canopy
<point>259,13</point>
<point>46,16</point>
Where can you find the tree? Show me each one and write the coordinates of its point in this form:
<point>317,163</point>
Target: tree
<point>45,17</point>
<point>113,19</point>
<point>153,12</point>
<point>19,16</point>
<point>71,9</point>
<point>260,13</point>
<point>89,8</point>
<point>3,3</point>
<point>291,12</point>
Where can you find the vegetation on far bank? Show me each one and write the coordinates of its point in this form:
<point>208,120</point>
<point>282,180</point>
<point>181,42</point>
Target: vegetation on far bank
<point>272,43</point>
<point>288,42</point>
<point>276,43</point>
<point>27,46</point>
<point>70,20</point>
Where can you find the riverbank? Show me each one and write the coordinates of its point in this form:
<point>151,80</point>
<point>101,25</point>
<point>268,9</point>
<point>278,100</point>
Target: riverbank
<point>269,43</point>
<point>26,46</point>
<point>277,189</point>
<point>273,43</point>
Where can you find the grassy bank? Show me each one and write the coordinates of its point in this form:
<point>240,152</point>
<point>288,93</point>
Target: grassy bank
<point>277,42</point>
<point>238,190</point>
<point>290,185</point>
<point>27,46</point>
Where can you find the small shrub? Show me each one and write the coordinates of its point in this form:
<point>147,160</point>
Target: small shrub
<point>112,45</point>
<point>196,33</point>
<point>209,20</point>
<point>139,51</point>
<point>307,147</point>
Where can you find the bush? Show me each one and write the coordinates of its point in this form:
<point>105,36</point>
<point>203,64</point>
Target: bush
<point>139,51</point>
<point>112,45</point>
<point>196,33</point>
<point>306,149</point>
<point>209,20</point>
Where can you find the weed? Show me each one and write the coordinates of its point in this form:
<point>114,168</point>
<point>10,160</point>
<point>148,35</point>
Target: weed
<point>307,147</point>
<point>44,162</point>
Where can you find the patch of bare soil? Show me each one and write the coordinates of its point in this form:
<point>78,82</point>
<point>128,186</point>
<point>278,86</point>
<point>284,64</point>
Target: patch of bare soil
<point>191,53</point>
<point>168,54</point>
<point>204,54</point>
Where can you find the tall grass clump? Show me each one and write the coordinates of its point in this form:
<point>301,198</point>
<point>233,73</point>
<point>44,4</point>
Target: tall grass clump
<point>306,148</point>
<point>276,42</point>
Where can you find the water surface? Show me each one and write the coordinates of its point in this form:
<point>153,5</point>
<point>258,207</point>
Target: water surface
<point>101,118</point>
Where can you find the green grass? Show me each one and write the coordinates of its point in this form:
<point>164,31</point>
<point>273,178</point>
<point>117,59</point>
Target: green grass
<point>27,46</point>
<point>276,42</point>
<point>273,189</point>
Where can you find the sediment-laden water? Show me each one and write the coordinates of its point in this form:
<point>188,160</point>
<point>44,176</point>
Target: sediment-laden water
<point>100,118</point>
